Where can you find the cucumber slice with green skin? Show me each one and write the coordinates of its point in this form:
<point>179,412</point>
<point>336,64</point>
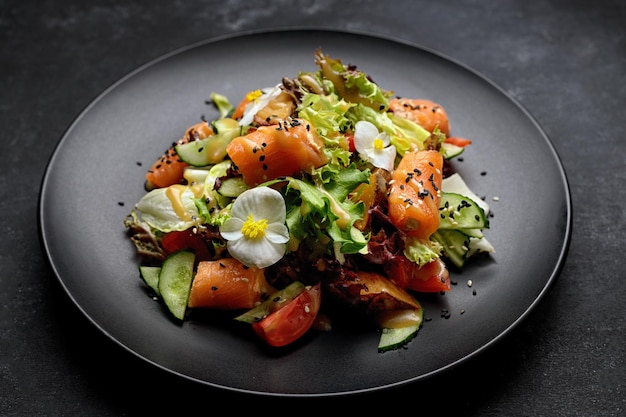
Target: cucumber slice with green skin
<point>450,151</point>
<point>150,275</point>
<point>175,281</point>
<point>394,338</point>
<point>455,245</point>
<point>232,187</point>
<point>202,152</point>
<point>460,212</point>
<point>455,184</point>
<point>273,303</point>
<point>210,150</point>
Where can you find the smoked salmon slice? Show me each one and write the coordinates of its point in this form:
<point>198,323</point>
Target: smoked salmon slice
<point>425,113</point>
<point>282,149</point>
<point>415,193</point>
<point>227,284</point>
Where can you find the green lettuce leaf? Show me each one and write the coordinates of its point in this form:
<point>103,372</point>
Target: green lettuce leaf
<point>404,133</point>
<point>319,210</point>
<point>422,251</point>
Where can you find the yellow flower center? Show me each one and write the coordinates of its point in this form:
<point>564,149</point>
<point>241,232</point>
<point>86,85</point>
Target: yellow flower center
<point>254,229</point>
<point>253,95</point>
<point>379,144</point>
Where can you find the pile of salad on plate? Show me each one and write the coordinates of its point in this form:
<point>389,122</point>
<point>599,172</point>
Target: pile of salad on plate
<point>322,197</point>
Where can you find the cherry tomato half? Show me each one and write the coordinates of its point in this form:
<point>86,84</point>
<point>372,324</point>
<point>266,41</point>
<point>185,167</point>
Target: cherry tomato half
<point>186,239</point>
<point>432,277</point>
<point>292,321</point>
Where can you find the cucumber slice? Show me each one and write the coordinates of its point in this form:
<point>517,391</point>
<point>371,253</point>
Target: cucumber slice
<point>450,151</point>
<point>455,245</point>
<point>210,150</point>
<point>460,212</point>
<point>273,303</point>
<point>202,152</point>
<point>232,187</point>
<point>175,281</point>
<point>455,184</point>
<point>391,339</point>
<point>396,337</point>
<point>150,275</point>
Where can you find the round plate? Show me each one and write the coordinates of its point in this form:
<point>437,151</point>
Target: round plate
<point>96,174</point>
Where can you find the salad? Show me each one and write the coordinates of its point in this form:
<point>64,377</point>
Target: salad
<point>322,198</point>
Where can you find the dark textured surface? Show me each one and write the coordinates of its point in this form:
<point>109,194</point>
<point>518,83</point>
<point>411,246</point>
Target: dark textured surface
<point>564,61</point>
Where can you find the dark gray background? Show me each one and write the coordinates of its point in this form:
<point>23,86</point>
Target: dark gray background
<point>564,61</point>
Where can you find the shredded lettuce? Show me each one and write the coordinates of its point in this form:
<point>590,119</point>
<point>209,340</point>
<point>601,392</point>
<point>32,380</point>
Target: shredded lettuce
<point>328,114</point>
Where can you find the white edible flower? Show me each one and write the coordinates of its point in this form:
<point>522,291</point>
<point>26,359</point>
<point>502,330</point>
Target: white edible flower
<point>373,146</point>
<point>256,233</point>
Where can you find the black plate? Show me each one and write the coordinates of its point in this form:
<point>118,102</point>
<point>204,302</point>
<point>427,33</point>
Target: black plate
<point>95,168</point>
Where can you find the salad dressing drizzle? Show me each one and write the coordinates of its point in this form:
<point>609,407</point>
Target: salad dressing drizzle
<point>175,194</point>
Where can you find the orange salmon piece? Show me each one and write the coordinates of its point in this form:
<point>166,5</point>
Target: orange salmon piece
<point>415,193</point>
<point>278,150</point>
<point>425,113</point>
<point>227,284</point>
<point>169,168</point>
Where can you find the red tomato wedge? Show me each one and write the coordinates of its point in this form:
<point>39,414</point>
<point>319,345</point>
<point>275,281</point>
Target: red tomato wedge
<point>227,284</point>
<point>415,193</point>
<point>278,150</point>
<point>292,321</point>
<point>432,277</point>
<point>186,239</point>
<point>169,169</point>
<point>425,113</point>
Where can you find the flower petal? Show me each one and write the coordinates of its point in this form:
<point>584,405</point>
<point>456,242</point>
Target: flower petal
<point>262,202</point>
<point>259,253</point>
<point>364,135</point>
<point>258,104</point>
<point>231,229</point>
<point>277,233</point>
<point>383,158</point>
